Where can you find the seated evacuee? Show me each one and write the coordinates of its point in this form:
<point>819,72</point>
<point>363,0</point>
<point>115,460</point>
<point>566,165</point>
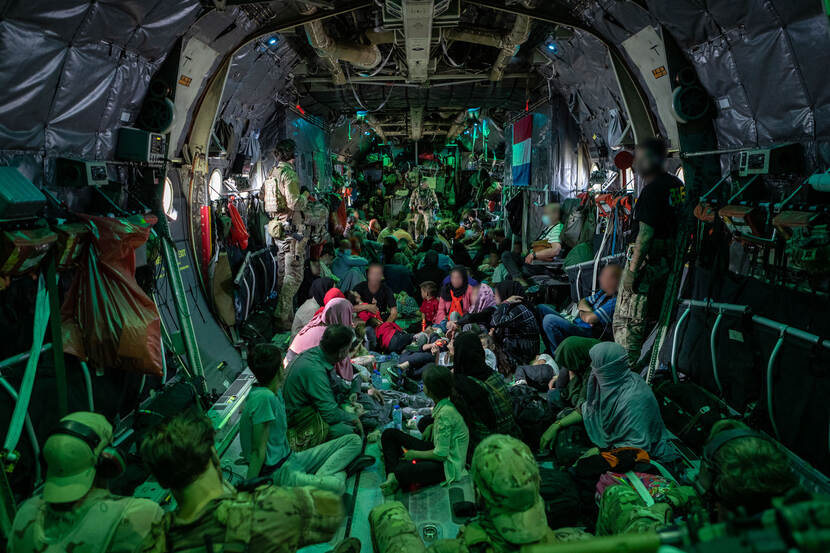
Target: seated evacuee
<point>482,306</point>
<point>75,511</point>
<point>595,312</point>
<point>455,298</point>
<point>569,387</point>
<point>429,269</point>
<point>211,516</point>
<point>375,292</point>
<point>741,472</point>
<point>480,394</point>
<point>350,269</point>
<point>429,302</point>
<point>263,434</point>
<point>514,328</point>
<point>309,307</point>
<point>308,388</point>
<point>608,411</point>
<point>547,246</point>
<point>337,311</point>
<point>441,455</point>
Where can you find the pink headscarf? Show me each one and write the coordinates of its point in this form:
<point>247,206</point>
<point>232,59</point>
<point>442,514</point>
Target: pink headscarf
<point>338,311</point>
<point>485,299</point>
<point>330,295</point>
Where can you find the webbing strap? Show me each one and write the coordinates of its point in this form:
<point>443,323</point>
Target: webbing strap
<point>38,334</point>
<point>639,487</point>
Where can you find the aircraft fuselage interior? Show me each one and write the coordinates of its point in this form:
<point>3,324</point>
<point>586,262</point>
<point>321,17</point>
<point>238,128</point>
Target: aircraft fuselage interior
<point>393,276</point>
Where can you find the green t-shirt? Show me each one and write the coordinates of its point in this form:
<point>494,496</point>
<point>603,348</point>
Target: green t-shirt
<point>261,406</point>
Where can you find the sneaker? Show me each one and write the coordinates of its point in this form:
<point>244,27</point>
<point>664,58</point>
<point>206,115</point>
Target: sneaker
<point>395,372</point>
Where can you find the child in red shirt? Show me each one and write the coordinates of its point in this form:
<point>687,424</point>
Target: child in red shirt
<point>429,305</point>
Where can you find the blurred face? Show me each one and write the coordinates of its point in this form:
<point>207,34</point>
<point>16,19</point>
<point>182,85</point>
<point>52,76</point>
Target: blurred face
<point>375,275</point>
<point>646,162</point>
<point>456,279</point>
<point>609,279</point>
<point>474,295</point>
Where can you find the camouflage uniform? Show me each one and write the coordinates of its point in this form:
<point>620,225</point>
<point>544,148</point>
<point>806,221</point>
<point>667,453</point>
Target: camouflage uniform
<point>284,205</point>
<point>622,511</point>
<point>98,521</point>
<point>422,204</point>
<point>506,476</point>
<point>635,308</point>
<point>101,523</point>
<point>268,520</point>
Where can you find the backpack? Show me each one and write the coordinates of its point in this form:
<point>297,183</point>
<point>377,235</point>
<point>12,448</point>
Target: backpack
<point>560,493</point>
<point>532,413</point>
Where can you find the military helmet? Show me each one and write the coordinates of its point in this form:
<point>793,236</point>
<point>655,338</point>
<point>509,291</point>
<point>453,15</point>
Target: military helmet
<point>506,475</point>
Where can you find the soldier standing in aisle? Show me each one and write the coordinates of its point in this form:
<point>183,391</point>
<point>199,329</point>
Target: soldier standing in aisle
<point>651,257</point>
<point>284,204</point>
<point>422,203</point>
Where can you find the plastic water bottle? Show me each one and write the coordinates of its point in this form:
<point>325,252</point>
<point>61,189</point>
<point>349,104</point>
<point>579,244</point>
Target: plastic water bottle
<point>397,417</point>
<point>377,380</point>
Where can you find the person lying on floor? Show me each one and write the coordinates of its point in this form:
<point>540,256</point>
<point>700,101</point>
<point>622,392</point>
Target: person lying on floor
<point>263,435</point>
<point>424,349</point>
<point>384,337</point>
<point>441,455</point>
<point>595,312</point>
<point>619,410</point>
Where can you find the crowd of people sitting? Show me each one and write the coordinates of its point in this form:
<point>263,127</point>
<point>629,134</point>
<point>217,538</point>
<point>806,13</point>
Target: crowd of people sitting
<point>462,347</point>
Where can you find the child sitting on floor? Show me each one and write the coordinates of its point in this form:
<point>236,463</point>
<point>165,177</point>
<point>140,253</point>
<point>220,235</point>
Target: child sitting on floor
<point>429,303</point>
<point>441,455</point>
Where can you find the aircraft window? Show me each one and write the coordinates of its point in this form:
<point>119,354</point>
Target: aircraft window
<point>629,180</point>
<point>680,175</point>
<point>167,200</point>
<point>215,185</point>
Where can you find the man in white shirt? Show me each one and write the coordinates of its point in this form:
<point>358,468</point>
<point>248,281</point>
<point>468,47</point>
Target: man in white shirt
<point>545,248</point>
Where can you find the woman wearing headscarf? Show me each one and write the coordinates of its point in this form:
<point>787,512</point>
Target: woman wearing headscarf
<point>480,394</point>
<point>568,388</point>
<point>514,327</point>
<point>338,311</point>
<point>391,254</point>
<point>456,296</point>
<point>481,310</point>
<point>315,301</point>
<point>619,410</point>
<point>430,271</point>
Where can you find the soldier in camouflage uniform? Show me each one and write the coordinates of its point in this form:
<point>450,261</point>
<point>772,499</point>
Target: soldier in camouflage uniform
<point>212,516</point>
<point>651,257</point>
<point>422,204</point>
<point>507,480</point>
<point>284,205</point>
<point>75,512</point>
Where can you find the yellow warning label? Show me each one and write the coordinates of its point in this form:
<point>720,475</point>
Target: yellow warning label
<point>659,72</point>
<point>184,80</point>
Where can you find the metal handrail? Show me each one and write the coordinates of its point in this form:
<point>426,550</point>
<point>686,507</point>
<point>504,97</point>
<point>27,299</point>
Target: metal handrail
<point>677,327</point>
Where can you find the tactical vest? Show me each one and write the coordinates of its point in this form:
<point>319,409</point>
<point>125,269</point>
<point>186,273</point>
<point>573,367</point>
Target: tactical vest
<point>93,532</point>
